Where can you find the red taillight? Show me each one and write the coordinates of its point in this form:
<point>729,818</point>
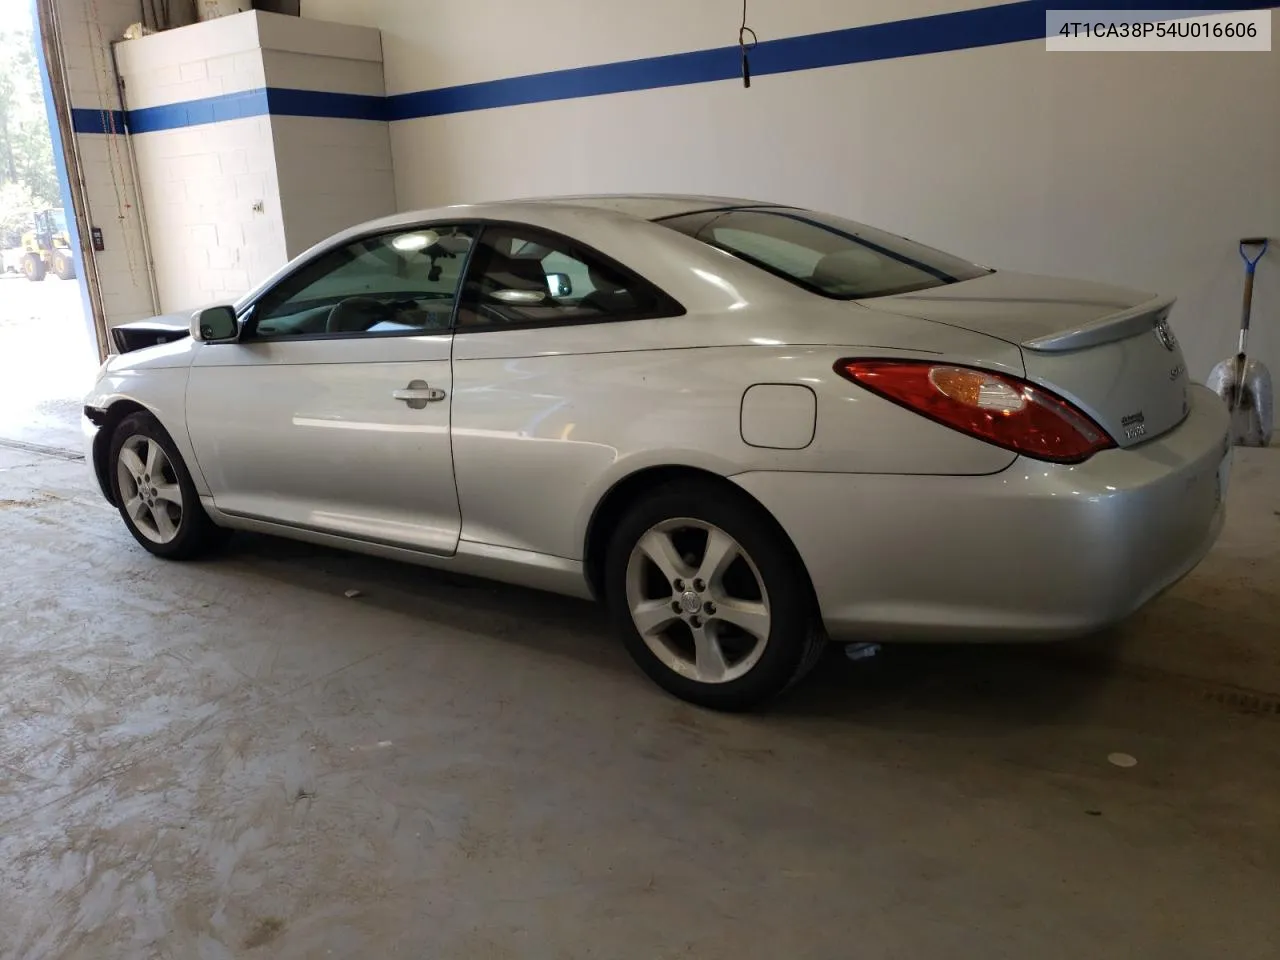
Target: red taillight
<point>995,407</point>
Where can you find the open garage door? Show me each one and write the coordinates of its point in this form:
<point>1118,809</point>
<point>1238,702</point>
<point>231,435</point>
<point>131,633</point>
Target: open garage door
<point>52,325</point>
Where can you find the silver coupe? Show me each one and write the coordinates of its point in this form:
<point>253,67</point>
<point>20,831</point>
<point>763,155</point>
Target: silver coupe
<point>747,428</point>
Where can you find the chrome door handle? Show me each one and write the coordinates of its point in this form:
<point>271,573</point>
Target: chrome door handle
<point>418,394</point>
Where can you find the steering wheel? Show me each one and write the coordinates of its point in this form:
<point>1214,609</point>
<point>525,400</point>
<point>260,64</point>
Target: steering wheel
<point>355,315</point>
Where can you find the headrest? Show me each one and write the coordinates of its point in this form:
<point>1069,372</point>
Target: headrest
<point>842,269</point>
<point>605,281</point>
<point>514,273</point>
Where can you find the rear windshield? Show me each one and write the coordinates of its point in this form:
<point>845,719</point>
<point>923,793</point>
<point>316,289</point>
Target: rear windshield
<point>825,254</point>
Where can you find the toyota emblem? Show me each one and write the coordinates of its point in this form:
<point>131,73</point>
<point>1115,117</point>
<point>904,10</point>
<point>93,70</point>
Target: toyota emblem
<point>1164,333</point>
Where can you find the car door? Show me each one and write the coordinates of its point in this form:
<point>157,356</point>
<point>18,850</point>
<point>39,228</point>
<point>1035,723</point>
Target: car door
<point>546,365</point>
<point>332,411</point>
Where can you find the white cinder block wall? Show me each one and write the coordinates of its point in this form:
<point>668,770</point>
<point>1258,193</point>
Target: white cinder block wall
<point>233,187</point>
<point>210,189</point>
<point>334,171</point>
<point>1141,169</point>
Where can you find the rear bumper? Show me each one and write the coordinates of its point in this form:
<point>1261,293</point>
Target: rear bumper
<point>1037,551</point>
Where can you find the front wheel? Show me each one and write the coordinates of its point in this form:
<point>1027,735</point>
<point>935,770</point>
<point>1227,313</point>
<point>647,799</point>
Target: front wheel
<point>710,597</point>
<point>155,493</point>
<point>33,267</point>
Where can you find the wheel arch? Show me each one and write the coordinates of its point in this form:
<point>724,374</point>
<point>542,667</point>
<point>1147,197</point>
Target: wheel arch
<point>106,421</point>
<point>629,489</point>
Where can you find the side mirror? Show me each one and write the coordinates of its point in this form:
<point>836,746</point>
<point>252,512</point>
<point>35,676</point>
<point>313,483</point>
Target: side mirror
<point>519,297</point>
<point>559,284</point>
<point>215,325</point>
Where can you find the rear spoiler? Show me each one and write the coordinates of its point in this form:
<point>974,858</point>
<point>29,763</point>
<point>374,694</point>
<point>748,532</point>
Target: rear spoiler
<point>1117,326</point>
<point>146,333</point>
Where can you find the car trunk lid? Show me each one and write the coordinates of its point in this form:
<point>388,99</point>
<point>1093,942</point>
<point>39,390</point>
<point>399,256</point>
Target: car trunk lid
<point>1106,349</point>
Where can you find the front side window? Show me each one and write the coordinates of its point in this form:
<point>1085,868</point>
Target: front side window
<point>523,276</point>
<point>401,282</point>
<point>825,254</point>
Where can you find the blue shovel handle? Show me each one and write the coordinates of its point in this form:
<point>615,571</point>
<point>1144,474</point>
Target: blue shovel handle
<point>1251,263</point>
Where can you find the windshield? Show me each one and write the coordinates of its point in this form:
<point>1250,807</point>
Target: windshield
<point>825,254</point>
<point>59,220</point>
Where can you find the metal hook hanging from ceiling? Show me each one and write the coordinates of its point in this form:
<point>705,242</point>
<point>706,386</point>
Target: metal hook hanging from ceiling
<point>745,48</point>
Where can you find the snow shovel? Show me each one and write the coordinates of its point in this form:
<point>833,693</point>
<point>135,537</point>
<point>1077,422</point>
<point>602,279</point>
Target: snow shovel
<point>1244,384</point>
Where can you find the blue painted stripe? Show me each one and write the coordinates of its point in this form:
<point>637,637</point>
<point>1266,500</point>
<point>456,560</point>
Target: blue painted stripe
<point>276,101</point>
<point>191,113</point>
<point>315,103</point>
<point>1004,23</point>
<point>84,120</point>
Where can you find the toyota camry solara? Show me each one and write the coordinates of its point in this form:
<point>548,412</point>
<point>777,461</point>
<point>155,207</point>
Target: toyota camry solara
<point>747,428</point>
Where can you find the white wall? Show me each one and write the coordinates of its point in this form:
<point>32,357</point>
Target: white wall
<point>333,172</point>
<point>202,187</point>
<point>229,202</point>
<point>1141,169</point>
<point>210,191</point>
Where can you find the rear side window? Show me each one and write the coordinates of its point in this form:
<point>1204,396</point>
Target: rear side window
<point>825,254</point>
<point>521,276</point>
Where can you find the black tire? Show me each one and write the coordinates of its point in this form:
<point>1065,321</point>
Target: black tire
<point>795,638</point>
<point>63,266</point>
<point>195,533</point>
<point>33,267</point>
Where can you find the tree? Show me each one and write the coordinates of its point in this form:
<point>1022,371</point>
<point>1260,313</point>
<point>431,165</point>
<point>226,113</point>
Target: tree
<point>26,152</point>
<point>9,106</point>
<point>17,209</point>
<point>34,158</point>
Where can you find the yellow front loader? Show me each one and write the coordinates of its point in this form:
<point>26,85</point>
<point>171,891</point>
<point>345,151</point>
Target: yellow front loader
<point>47,247</point>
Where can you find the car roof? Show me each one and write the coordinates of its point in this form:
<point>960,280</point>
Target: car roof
<point>643,206</point>
<point>651,206</point>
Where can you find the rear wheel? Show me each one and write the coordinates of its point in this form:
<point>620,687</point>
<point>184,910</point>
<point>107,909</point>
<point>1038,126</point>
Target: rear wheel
<point>710,598</point>
<point>63,265</point>
<point>33,267</point>
<point>155,494</point>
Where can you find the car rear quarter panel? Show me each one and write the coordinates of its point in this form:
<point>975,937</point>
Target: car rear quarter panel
<point>546,421</point>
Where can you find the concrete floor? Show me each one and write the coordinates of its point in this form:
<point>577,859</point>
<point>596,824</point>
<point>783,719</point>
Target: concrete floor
<point>233,759</point>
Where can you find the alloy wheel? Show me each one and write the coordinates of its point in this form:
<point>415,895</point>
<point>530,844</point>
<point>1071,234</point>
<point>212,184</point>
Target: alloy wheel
<point>149,489</point>
<point>698,600</point>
